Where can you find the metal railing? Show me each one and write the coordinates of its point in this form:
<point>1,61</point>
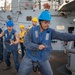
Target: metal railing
<point>37,4</point>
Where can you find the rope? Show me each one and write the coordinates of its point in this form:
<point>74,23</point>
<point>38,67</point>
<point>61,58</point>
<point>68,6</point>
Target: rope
<point>36,67</point>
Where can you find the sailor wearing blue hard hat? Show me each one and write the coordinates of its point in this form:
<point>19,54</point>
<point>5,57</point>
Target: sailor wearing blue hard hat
<point>11,45</point>
<point>38,45</point>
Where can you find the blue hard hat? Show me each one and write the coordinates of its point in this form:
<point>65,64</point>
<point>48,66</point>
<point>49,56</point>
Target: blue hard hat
<point>45,15</point>
<point>10,23</point>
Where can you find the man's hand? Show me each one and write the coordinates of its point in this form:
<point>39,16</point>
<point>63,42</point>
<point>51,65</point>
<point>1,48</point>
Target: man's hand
<point>12,42</point>
<point>41,47</point>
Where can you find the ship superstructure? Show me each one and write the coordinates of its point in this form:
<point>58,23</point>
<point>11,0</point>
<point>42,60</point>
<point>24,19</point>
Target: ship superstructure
<point>63,19</point>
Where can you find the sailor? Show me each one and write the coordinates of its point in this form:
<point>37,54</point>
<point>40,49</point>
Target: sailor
<point>34,22</point>
<point>1,47</point>
<point>38,45</point>
<point>21,37</point>
<point>11,41</point>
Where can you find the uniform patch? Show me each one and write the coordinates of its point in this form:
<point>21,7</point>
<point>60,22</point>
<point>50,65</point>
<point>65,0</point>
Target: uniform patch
<point>36,34</point>
<point>6,35</point>
<point>12,37</point>
<point>47,36</point>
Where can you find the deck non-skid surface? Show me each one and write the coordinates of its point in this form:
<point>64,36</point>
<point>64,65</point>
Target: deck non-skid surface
<point>57,60</point>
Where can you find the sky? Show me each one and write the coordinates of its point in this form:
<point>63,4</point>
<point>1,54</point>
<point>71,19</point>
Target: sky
<point>3,1</point>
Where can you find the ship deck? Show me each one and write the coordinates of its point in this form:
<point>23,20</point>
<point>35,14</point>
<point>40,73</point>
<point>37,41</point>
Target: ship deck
<point>58,61</point>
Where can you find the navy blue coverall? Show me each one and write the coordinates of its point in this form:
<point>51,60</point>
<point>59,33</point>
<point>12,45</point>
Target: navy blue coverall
<point>10,48</point>
<point>32,41</point>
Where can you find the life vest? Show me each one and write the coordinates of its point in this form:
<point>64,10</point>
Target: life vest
<point>7,38</point>
<point>40,38</point>
<point>22,34</point>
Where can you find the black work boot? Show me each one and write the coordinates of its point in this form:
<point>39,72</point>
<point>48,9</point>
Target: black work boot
<point>7,67</point>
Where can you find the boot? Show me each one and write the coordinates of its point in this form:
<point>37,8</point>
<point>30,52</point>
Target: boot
<point>7,67</point>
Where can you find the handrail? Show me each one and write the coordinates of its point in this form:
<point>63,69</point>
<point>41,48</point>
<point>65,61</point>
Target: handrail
<point>53,4</point>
